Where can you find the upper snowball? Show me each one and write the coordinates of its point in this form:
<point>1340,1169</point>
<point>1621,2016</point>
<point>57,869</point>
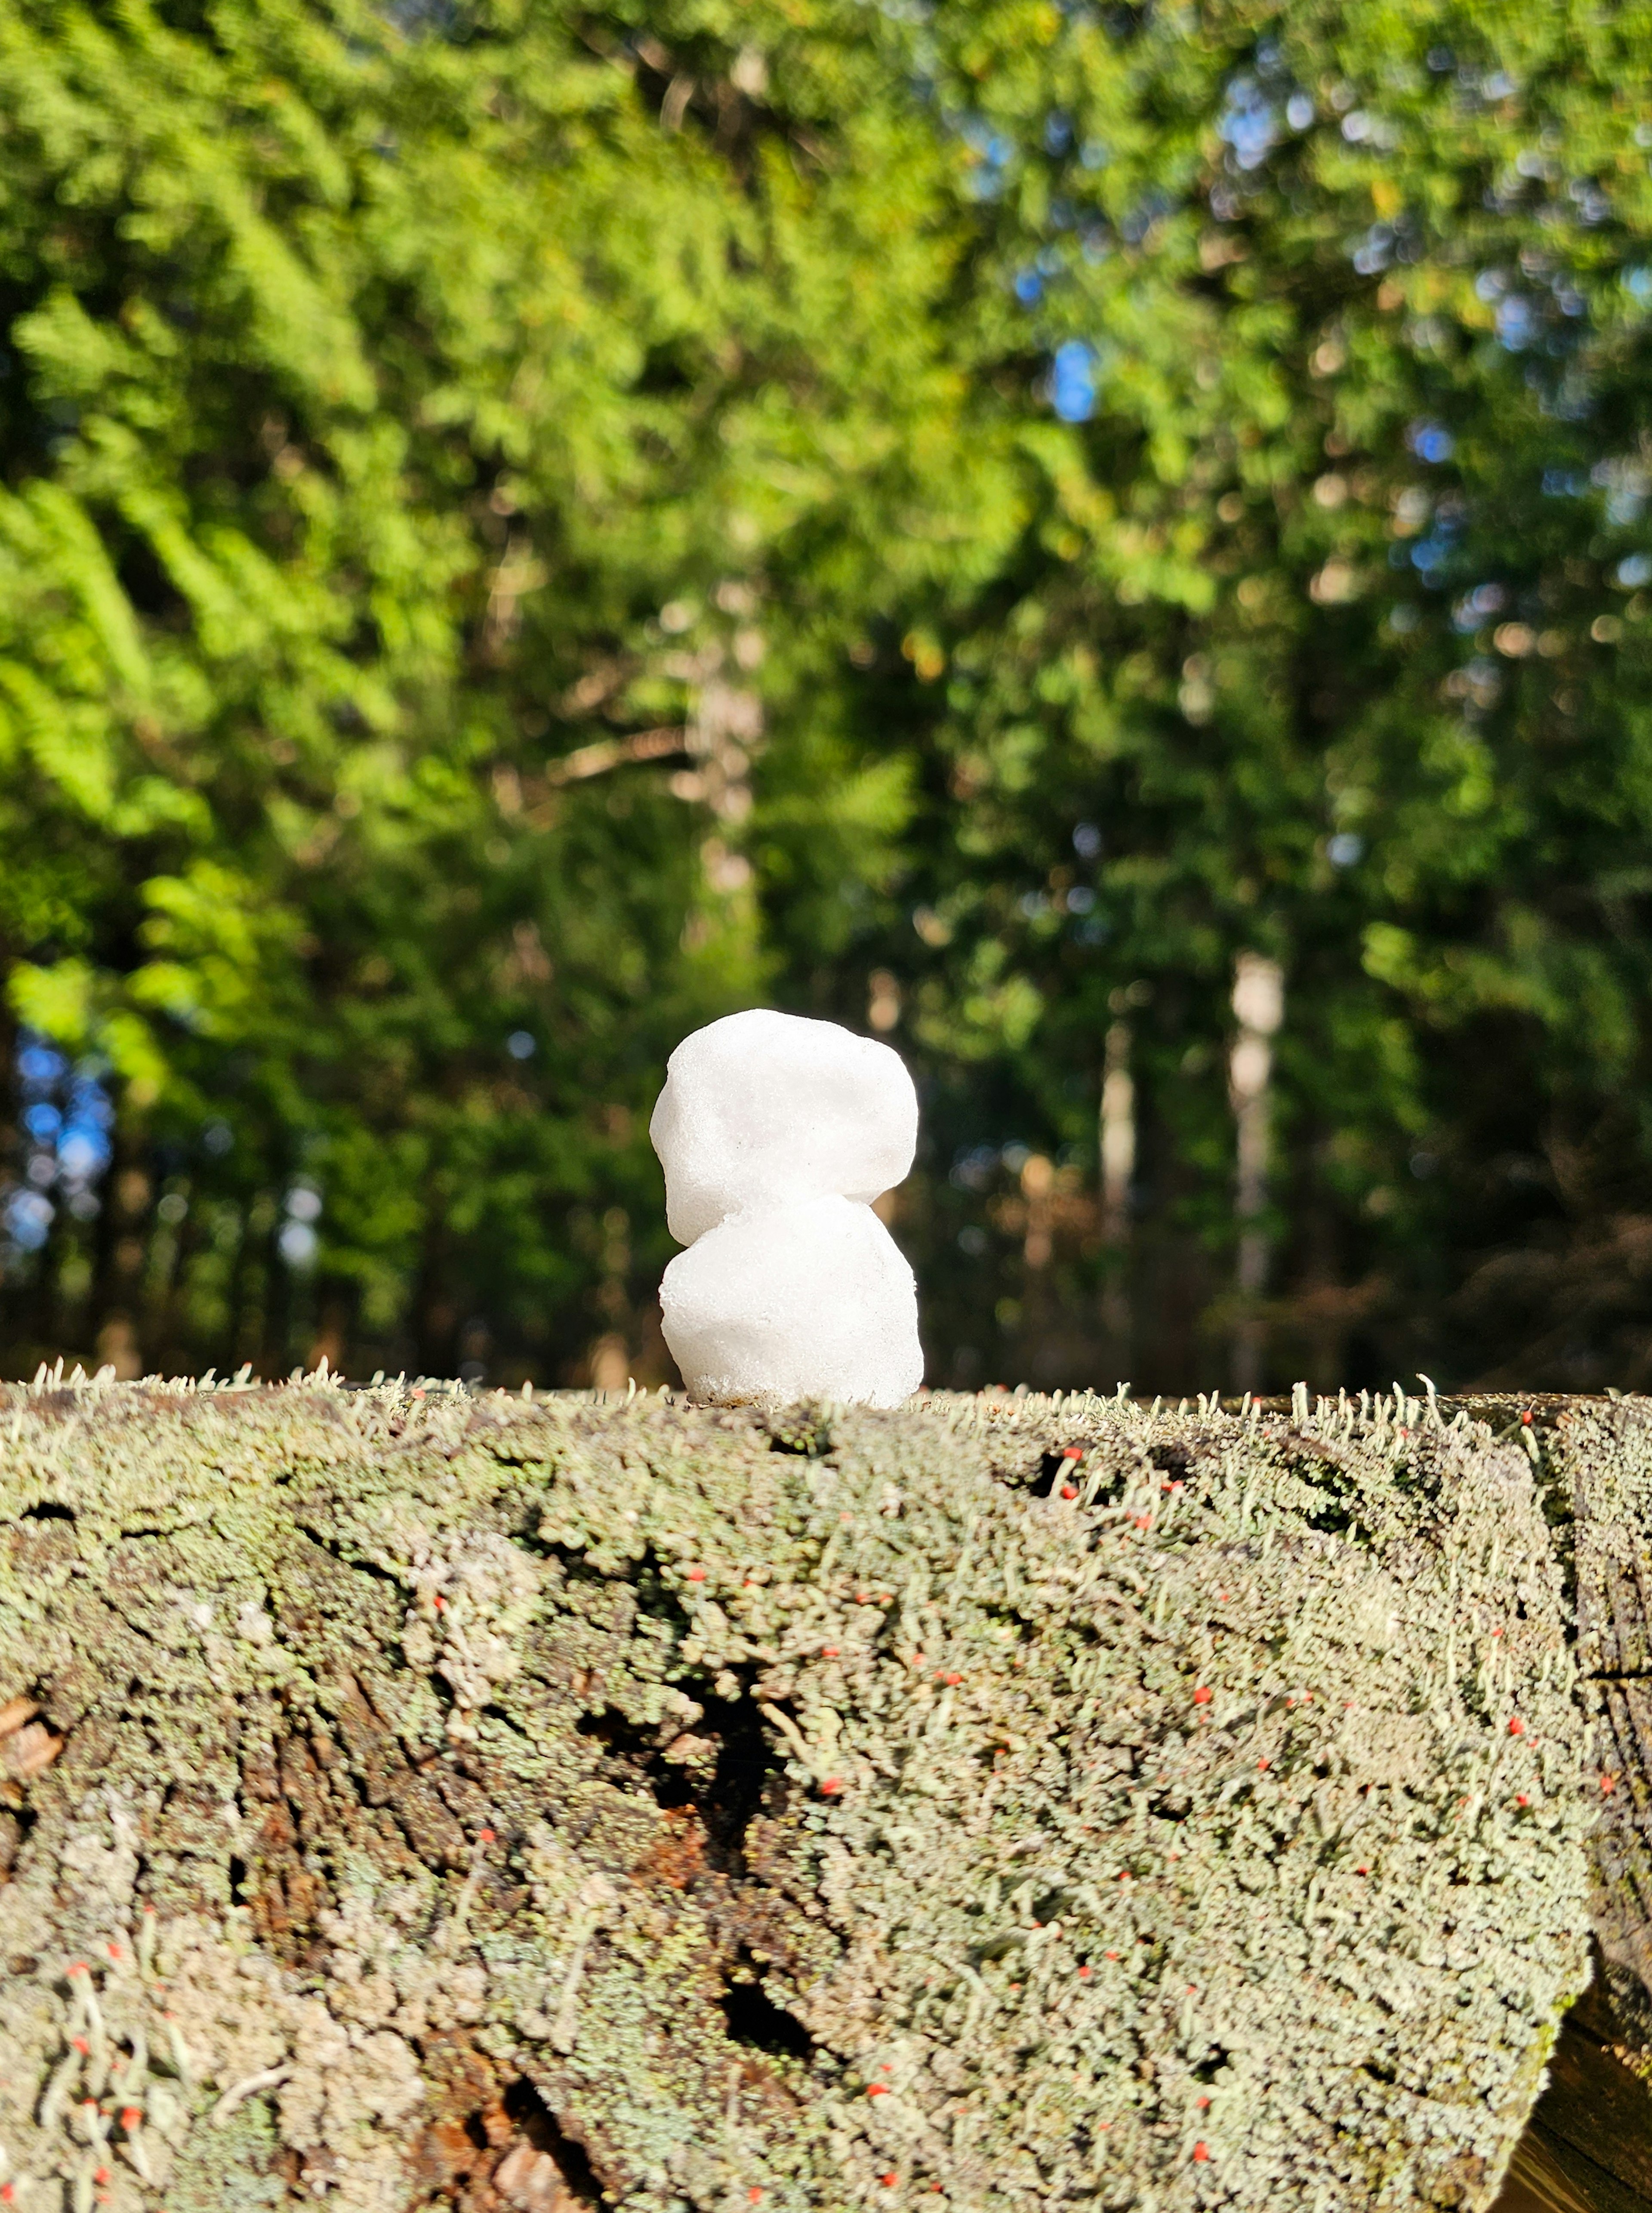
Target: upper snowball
<point>763,1110</point>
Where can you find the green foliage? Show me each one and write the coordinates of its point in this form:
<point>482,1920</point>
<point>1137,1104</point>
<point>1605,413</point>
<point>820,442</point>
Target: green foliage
<point>1329,622</point>
<point>521,523</point>
<point>391,414</point>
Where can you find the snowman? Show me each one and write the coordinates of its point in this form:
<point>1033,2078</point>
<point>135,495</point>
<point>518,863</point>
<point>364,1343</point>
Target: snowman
<point>775,1135</point>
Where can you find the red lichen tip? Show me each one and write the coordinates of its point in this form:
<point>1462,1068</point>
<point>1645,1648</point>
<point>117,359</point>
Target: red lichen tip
<point>1113,1955</point>
<point>952,1678</point>
<point>115,1951</point>
<point>101,2174</point>
<point>1262,1762</point>
<point>1084,1973</point>
<point>1201,1696</point>
<point>1516,1727</point>
<point>130,2118</point>
<point>1069,1490</point>
<point>80,2046</point>
<point>828,1652</point>
<point>76,1968</point>
<point>8,2192</point>
<point>831,1786</point>
<point>889,2181</point>
<point>697,1575</point>
<point>487,1835</point>
<point>1520,1798</point>
<point>1201,2151</point>
<point>754,2195</point>
<point>1608,1782</point>
<point>877,2089</point>
<point>1526,1418</point>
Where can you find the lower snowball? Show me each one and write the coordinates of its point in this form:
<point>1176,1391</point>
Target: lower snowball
<point>810,1301</point>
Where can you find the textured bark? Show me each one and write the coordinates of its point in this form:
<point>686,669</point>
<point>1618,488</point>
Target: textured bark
<point>1587,2147</point>
<point>414,1798</point>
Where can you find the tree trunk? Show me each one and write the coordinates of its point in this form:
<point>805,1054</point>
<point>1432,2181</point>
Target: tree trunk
<point>420,1799</point>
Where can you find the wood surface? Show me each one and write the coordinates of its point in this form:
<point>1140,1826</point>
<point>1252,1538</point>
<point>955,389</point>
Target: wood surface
<point>415,1799</point>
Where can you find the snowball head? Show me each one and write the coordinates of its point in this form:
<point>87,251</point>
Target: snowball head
<point>809,1301</point>
<point>763,1110</point>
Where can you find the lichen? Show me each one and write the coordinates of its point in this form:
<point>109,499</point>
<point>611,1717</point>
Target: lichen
<point>1593,1458</point>
<point>1006,1803</point>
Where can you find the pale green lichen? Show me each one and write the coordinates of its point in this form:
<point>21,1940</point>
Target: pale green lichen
<point>843,1809</point>
<point>1594,1463</point>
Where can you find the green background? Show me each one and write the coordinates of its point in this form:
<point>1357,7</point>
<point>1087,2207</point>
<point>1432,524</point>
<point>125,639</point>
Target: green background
<point>524,528</point>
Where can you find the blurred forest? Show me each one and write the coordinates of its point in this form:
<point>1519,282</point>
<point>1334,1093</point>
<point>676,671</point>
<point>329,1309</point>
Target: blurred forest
<point>1107,544</point>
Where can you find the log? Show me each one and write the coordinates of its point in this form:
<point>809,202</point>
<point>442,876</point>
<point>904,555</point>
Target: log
<point>414,1798</point>
<point>1587,2147</point>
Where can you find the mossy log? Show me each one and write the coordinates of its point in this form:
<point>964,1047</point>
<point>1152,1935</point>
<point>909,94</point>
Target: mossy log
<point>418,1798</point>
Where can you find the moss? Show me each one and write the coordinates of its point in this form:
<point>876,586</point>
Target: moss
<point>1010,1803</point>
<point>231,2169</point>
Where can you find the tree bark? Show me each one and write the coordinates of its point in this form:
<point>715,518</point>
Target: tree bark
<point>417,1799</point>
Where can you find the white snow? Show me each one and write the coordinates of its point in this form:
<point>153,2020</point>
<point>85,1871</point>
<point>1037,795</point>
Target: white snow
<point>775,1135</point>
<point>763,1110</point>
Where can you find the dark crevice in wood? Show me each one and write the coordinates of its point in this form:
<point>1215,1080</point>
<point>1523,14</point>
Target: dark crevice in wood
<point>570,2180</point>
<point>754,2019</point>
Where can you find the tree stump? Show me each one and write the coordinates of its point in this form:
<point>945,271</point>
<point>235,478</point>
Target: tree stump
<point>414,1798</point>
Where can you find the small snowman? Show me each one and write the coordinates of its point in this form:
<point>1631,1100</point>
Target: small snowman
<point>775,1135</point>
